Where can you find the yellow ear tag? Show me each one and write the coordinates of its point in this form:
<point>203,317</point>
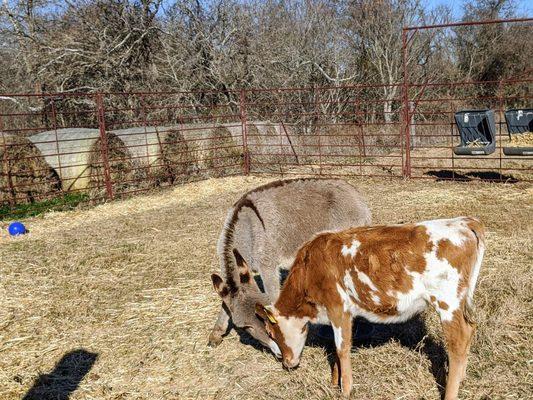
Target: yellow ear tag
<point>271,317</point>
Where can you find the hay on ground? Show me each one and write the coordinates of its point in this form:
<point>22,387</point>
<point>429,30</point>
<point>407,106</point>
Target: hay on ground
<point>25,176</point>
<point>161,152</point>
<point>139,295</point>
<point>76,156</point>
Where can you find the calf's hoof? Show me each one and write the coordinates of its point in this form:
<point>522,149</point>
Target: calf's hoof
<point>346,391</point>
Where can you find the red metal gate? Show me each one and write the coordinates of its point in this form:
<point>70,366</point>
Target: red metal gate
<point>428,116</point>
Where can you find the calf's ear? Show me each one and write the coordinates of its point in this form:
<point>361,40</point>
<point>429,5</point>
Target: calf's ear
<point>264,313</point>
<point>220,287</point>
<point>260,311</point>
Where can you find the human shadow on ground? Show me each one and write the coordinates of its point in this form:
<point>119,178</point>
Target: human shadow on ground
<point>411,334</point>
<point>64,378</point>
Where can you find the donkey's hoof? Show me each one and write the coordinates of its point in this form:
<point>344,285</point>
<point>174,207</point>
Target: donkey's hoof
<point>214,340</point>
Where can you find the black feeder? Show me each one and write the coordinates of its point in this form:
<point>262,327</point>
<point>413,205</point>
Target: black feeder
<point>477,130</point>
<point>519,121</point>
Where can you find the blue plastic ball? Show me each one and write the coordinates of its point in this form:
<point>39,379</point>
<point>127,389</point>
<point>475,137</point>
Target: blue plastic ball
<point>16,228</point>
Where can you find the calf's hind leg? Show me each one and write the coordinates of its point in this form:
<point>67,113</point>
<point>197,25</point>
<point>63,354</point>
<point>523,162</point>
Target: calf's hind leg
<point>335,375</point>
<point>220,328</point>
<point>458,335</point>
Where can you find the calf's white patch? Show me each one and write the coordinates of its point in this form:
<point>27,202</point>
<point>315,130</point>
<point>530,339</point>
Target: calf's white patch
<point>366,280</point>
<point>352,250</point>
<point>442,281</point>
<point>348,283</point>
<point>337,332</point>
<point>451,229</point>
<point>292,333</point>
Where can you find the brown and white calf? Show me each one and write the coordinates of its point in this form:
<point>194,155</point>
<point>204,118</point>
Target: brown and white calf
<point>385,274</point>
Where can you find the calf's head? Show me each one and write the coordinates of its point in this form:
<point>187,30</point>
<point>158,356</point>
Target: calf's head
<point>289,333</point>
<point>240,301</point>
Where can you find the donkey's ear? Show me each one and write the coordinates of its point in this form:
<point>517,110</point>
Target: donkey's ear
<point>220,287</point>
<point>241,263</point>
<point>245,275</point>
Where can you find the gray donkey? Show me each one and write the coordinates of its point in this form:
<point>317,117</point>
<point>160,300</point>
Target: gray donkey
<point>266,227</point>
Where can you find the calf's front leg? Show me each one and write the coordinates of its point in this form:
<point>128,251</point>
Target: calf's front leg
<point>342,329</point>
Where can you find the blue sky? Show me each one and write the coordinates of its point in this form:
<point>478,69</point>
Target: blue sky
<point>523,7</point>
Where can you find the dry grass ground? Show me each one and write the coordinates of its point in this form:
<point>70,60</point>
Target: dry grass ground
<point>128,283</point>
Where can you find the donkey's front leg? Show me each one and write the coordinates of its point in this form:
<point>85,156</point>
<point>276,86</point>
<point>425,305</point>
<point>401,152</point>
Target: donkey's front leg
<point>220,328</point>
<point>342,329</point>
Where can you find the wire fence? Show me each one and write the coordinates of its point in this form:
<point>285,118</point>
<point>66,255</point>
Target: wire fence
<point>107,145</point>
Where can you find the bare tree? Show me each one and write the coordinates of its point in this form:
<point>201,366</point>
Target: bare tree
<point>217,47</point>
<point>376,33</point>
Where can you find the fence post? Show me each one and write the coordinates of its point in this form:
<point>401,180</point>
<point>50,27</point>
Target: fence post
<point>58,150</point>
<point>500,111</point>
<point>6,167</point>
<point>358,110</point>
<point>143,111</point>
<point>290,142</point>
<point>103,145</point>
<point>243,116</point>
<point>317,114</point>
<point>412,124</point>
<point>406,116</point>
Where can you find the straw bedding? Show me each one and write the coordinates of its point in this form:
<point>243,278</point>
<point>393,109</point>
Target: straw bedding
<point>138,295</point>
<point>25,176</point>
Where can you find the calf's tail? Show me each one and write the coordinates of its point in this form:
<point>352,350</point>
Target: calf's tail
<point>478,229</point>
